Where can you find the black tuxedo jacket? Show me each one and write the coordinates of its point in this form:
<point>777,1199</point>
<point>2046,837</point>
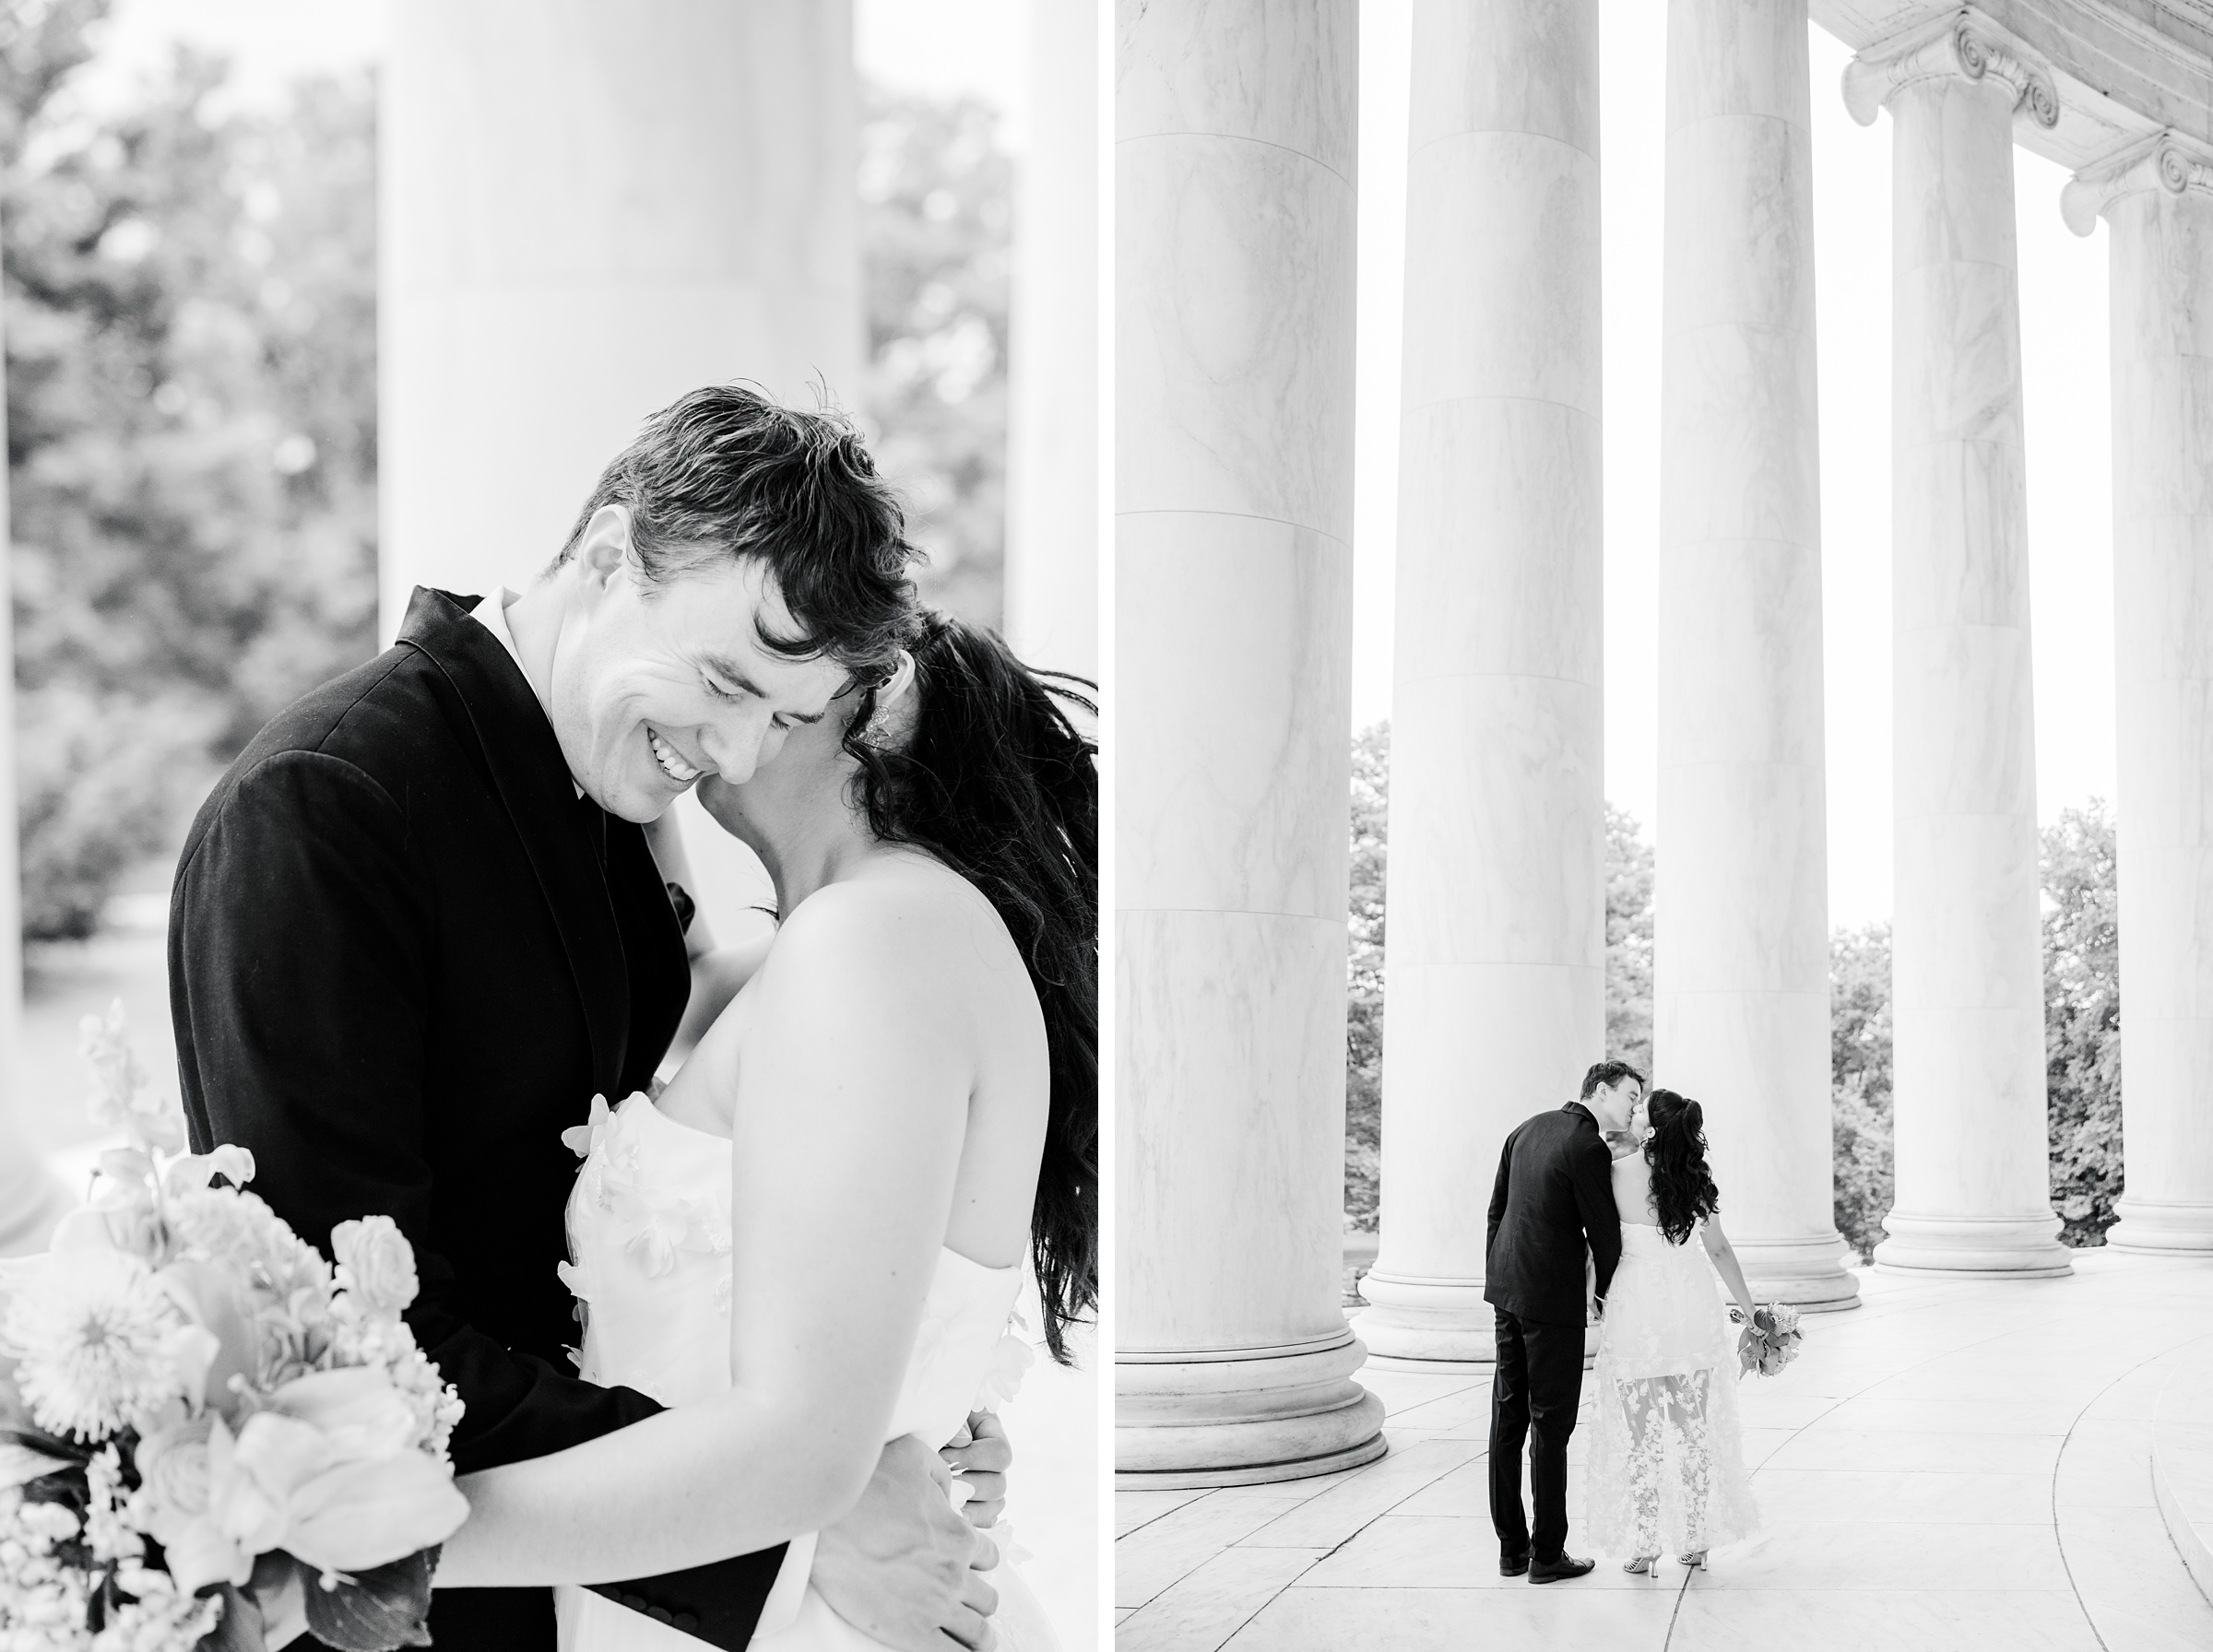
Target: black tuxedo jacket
<point>403,957</point>
<point>1555,1192</point>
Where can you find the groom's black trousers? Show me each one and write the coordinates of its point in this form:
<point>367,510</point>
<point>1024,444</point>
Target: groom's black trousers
<point>1535,1389</point>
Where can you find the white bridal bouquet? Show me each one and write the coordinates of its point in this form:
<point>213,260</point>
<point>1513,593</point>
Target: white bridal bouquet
<point>1771,1342</point>
<point>205,1431</point>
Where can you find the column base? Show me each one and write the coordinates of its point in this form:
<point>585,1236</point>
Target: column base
<point>1810,1274</point>
<point>1443,1326</point>
<point>1974,1247</point>
<point>1243,1416</point>
<point>2163,1226</point>
<point>1413,1324</point>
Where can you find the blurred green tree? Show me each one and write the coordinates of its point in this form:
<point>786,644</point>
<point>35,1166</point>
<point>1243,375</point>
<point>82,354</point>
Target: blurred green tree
<point>936,211</point>
<point>1628,942</point>
<point>1364,1019</point>
<point>2082,1020</point>
<point>1859,1055</point>
<point>192,428</point>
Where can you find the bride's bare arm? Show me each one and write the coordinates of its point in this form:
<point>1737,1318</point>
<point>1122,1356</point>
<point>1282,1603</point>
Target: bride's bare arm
<point>850,1106</point>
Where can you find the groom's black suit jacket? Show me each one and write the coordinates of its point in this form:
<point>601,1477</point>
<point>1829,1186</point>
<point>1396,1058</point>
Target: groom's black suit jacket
<point>403,957</point>
<point>1555,1192</point>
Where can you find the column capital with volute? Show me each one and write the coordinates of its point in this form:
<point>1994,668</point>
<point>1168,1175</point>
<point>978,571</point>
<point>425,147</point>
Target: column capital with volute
<point>2165,160</point>
<point>1960,42</point>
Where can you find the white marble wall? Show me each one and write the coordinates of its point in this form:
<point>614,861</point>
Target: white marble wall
<point>586,211</point>
<point>1052,566</point>
<point>1968,986</point>
<point>1497,943</point>
<point>2159,206</point>
<point>1235,161</point>
<point>1740,995</point>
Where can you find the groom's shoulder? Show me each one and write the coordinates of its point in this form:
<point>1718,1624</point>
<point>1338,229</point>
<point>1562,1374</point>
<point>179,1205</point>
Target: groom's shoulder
<point>383,709</point>
<point>379,724</point>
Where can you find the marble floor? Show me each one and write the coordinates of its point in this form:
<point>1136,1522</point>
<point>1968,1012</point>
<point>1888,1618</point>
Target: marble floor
<point>1955,1465</point>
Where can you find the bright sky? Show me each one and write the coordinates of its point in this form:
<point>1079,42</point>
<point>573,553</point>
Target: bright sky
<point>2070,452</point>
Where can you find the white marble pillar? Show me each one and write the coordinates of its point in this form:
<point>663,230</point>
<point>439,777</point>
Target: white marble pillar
<point>1497,945</point>
<point>1973,1190</point>
<point>1052,566</point>
<point>586,211</point>
<point>31,1201</point>
<point>1740,947</point>
<point>2157,199</point>
<point>1235,160</point>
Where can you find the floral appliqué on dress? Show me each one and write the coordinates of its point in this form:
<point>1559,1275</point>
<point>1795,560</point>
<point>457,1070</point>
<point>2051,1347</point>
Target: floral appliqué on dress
<point>663,1230</point>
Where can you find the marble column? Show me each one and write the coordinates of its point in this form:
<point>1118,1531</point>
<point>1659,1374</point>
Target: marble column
<point>1497,945</point>
<point>586,211</point>
<point>2157,199</point>
<point>1740,940</point>
<point>1974,1191</point>
<point>31,1201</point>
<point>1234,166</point>
<point>1052,567</point>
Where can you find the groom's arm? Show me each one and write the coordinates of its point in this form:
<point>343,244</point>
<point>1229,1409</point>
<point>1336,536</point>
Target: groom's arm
<point>300,947</point>
<point>1497,1215</point>
<point>1592,1177</point>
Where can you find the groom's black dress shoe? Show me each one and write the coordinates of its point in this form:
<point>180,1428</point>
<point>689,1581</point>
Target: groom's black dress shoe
<point>1512,1562</point>
<point>1559,1566</point>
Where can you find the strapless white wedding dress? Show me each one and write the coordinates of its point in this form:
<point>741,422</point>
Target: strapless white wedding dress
<point>649,1233</point>
<point>1666,1469</point>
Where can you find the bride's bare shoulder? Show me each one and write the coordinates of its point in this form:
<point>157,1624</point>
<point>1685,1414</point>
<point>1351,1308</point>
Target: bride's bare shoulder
<point>903,910</point>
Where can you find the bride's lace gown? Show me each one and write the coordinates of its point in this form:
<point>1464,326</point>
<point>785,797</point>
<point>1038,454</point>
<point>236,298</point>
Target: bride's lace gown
<point>649,1229</point>
<point>1666,1470</point>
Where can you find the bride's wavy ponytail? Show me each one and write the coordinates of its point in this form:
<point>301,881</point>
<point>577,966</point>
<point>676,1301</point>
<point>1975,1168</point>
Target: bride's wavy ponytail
<point>1682,1188</point>
<point>996,781</point>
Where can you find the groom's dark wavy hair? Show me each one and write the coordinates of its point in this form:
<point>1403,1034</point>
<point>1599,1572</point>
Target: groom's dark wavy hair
<point>996,780</point>
<point>723,473</point>
<point>1683,1187</point>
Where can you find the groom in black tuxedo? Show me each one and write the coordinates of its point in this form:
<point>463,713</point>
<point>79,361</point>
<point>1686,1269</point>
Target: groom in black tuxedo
<point>418,926</point>
<point>1554,1197</point>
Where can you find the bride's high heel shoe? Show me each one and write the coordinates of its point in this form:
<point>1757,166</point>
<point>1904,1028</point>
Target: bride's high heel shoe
<point>1696,1558</point>
<point>1640,1565</point>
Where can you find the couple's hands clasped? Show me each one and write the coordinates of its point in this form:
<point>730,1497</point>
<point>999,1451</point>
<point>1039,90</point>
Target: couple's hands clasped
<point>906,1565</point>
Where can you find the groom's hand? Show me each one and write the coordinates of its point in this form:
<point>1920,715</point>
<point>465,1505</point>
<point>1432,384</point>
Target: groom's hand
<point>903,1565</point>
<point>981,1454</point>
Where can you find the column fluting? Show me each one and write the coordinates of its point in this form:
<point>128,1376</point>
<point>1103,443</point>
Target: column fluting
<point>1973,1184</point>
<point>2157,199</point>
<point>1740,947</point>
<point>1235,159</point>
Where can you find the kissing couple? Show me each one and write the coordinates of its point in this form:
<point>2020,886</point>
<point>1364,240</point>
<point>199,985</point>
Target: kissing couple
<point>1624,1177</point>
<point>434,918</point>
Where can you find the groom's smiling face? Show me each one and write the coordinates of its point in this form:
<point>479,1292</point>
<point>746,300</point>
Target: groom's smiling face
<point>654,686</point>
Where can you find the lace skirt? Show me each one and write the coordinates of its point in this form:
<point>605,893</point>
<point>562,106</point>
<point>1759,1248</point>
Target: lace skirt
<point>1666,1471</point>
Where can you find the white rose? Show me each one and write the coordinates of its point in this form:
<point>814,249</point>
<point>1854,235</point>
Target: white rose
<point>172,1478</point>
<point>376,1262</point>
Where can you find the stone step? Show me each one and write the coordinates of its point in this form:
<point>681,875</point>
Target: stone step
<point>2182,1460</point>
<point>2114,1535</point>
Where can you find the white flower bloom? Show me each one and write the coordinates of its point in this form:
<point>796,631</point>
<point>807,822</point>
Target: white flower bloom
<point>123,1097</point>
<point>376,1262</point>
<point>93,1336</point>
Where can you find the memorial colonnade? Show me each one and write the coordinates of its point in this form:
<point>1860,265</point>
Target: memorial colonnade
<point>1235,161</point>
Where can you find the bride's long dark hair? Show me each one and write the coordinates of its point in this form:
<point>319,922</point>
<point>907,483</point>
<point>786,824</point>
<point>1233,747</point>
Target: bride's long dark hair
<point>996,781</point>
<point>1683,1187</point>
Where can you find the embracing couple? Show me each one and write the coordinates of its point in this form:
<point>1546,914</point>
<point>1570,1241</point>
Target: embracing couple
<point>432,920</point>
<point>1624,1176</point>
